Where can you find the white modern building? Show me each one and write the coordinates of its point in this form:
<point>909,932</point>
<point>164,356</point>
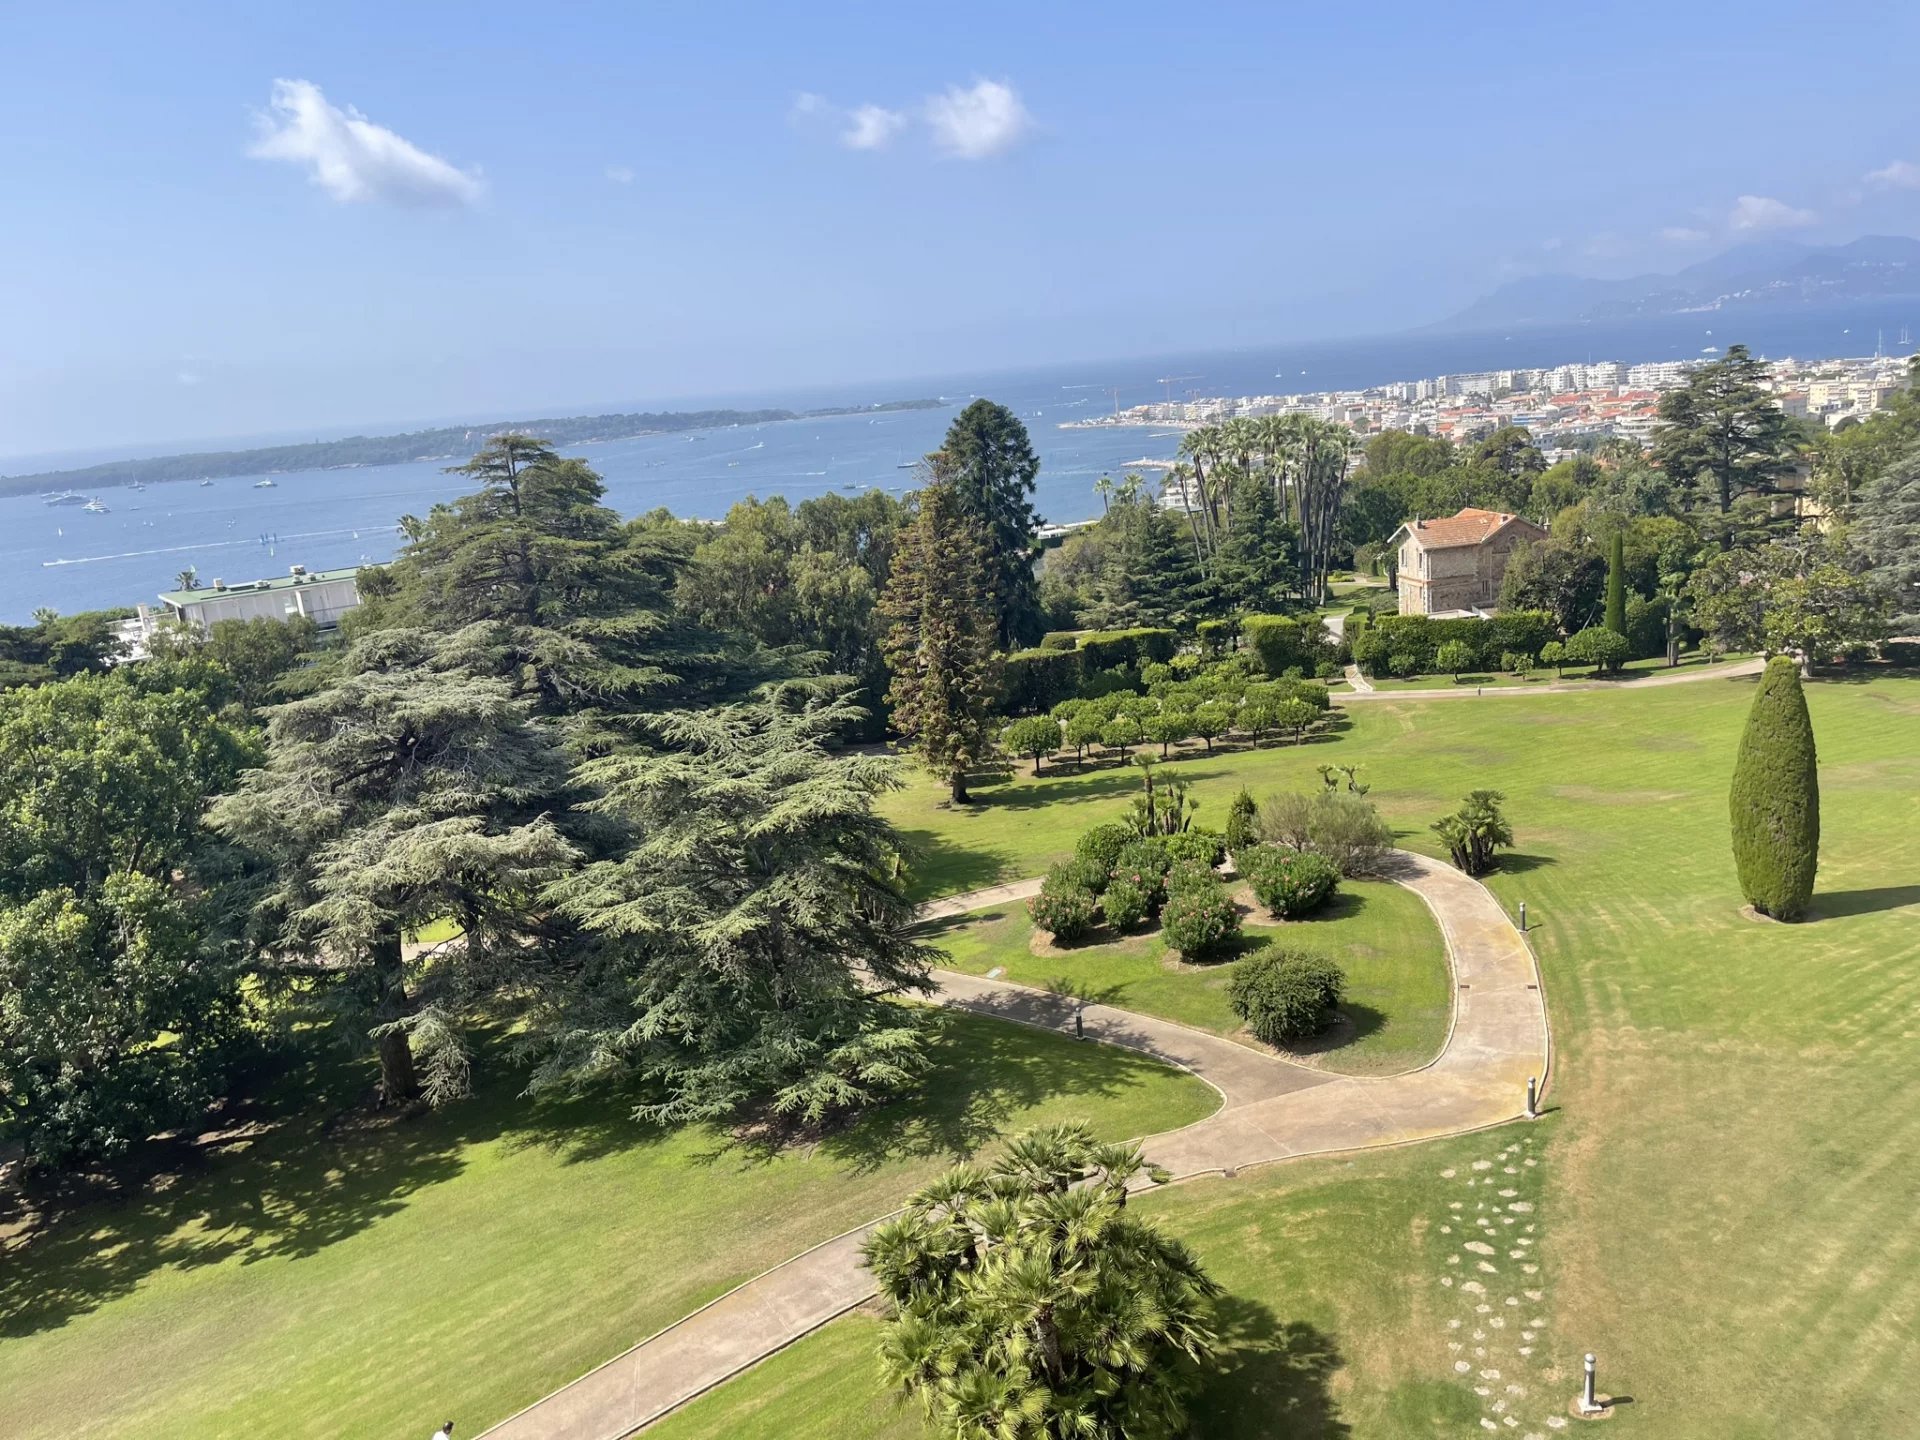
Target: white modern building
<point>322,596</point>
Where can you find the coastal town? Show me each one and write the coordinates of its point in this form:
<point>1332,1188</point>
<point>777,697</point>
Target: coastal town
<point>1565,407</point>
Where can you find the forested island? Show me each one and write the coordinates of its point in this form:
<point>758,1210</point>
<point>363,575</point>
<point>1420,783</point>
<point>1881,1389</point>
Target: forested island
<point>447,442</point>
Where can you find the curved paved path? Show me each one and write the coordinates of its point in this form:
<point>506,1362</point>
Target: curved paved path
<point>1653,681</point>
<point>1272,1109</point>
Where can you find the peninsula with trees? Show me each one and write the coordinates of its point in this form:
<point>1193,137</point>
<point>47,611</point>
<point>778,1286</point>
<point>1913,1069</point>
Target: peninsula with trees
<point>446,442</point>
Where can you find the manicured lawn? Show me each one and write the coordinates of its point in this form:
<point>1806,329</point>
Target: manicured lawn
<point>1336,1318</point>
<point>333,1277</point>
<point>1547,675</point>
<point>1736,1164</point>
<point>1382,934</point>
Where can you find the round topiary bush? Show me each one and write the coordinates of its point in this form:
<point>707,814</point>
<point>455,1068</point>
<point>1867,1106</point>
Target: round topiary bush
<point>1075,875</point>
<point>1065,914</point>
<point>1776,797</point>
<point>1208,847</point>
<point>1102,844</point>
<point>1404,666</point>
<point>1285,994</point>
<point>1290,883</point>
<point>1198,920</point>
<point>1125,904</point>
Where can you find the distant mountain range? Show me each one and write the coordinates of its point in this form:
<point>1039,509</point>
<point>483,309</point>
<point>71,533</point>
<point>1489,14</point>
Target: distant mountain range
<point>1772,274</point>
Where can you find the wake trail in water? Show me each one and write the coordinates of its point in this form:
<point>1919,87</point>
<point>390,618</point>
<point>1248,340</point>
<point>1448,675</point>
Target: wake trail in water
<point>249,540</point>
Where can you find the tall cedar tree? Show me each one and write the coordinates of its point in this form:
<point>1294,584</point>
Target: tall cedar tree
<point>408,791</point>
<point>1616,620</point>
<point>1255,573</point>
<point>940,647</point>
<point>1028,1302</point>
<point>120,996</point>
<point>1776,797</point>
<point>988,458</point>
<point>1725,434</point>
<point>741,947</point>
<point>576,605</point>
<point>1886,528</point>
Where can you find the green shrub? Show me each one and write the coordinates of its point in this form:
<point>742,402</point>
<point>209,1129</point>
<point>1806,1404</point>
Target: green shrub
<point>1404,666</point>
<point>1326,670</point>
<point>1242,822</point>
<point>1555,654</point>
<point>1341,826</point>
<point>1599,647</point>
<point>1189,875</point>
<point>1077,874</point>
<point>1067,915</point>
<point>1104,649</point>
<point>1198,920</point>
<point>1037,736</point>
<point>1125,904</point>
<point>1082,731</point>
<point>1290,883</point>
<point>1145,854</point>
<point>1169,727</point>
<point>1776,797</point>
<point>1215,636</point>
<point>1121,733</point>
<point>1285,994</point>
<point>1038,680</point>
<point>1277,641</point>
<point>1103,684</point>
<point>1103,844</point>
<point>1156,676</point>
<point>1060,640</point>
<point>1208,847</point>
<point>1455,656</point>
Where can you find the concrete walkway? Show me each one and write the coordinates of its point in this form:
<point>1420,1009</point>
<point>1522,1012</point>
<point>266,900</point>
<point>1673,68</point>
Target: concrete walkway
<point>1654,681</point>
<point>1272,1109</point>
<point>1359,683</point>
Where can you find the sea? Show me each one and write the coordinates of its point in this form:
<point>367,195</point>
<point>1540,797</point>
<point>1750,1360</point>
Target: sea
<point>67,559</point>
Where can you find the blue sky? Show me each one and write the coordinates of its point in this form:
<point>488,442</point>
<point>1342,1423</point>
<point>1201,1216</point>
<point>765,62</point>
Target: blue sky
<point>481,209</point>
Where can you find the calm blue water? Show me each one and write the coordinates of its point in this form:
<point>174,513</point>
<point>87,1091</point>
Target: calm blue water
<point>69,560</point>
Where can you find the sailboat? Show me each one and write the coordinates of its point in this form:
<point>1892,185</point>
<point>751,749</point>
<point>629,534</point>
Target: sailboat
<point>264,483</point>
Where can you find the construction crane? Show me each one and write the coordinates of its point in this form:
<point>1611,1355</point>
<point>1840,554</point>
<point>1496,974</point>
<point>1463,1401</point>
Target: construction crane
<point>1171,380</point>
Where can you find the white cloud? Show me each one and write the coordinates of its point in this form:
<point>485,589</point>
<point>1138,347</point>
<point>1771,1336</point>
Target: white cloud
<point>872,127</point>
<point>620,174</point>
<point>353,159</point>
<point>1900,175</point>
<point>1684,235</point>
<point>807,106</point>
<point>976,122</point>
<point>1763,212</point>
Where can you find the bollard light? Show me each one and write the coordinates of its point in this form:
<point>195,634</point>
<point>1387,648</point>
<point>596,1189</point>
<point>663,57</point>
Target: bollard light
<point>1523,917</point>
<point>1533,1097</point>
<point>1589,1403</point>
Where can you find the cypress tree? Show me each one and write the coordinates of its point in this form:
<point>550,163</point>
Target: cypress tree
<point>1617,585</point>
<point>1776,797</point>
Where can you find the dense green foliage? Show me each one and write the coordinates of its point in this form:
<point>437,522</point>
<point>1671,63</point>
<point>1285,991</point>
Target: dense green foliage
<point>988,459</point>
<point>1027,1302</point>
<point>1198,918</point>
<point>1725,435</point>
<point>941,611</point>
<point>1066,912</point>
<point>1286,994</point>
<point>1290,883</point>
<point>1776,797</point>
<point>1474,831</point>
<point>1343,827</point>
<point>1616,618</point>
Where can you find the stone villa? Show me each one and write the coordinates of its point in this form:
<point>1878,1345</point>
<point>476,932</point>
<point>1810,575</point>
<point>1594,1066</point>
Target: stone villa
<point>1454,565</point>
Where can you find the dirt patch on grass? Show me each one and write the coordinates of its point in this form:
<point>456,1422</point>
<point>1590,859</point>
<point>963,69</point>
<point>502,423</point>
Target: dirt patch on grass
<point>1590,795</point>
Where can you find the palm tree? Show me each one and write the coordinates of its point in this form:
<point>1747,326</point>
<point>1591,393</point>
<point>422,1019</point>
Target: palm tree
<point>1103,487</point>
<point>187,579</point>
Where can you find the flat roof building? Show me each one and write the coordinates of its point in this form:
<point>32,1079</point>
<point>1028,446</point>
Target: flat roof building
<point>321,596</point>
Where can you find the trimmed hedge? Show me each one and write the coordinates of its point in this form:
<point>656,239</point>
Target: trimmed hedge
<point>1776,797</point>
<point>1060,640</point>
<point>1286,994</point>
<point>1105,649</point>
<point>1290,883</point>
<point>1216,636</point>
<point>1278,641</point>
<point>1037,680</point>
<point>1421,636</point>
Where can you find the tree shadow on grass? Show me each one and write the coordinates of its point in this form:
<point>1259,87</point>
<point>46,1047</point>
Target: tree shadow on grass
<point>1351,1023</point>
<point>1515,862</point>
<point>984,1072</point>
<point>1273,1378</point>
<point>299,1165</point>
<point>1836,904</point>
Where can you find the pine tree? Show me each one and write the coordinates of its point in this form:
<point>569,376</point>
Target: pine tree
<point>1776,797</point>
<point>940,642</point>
<point>1725,434</point>
<point>988,458</point>
<point>406,792</point>
<point>1616,620</point>
<point>742,945</point>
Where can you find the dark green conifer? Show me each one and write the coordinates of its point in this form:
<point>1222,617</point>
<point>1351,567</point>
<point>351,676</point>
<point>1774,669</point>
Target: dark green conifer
<point>1776,797</point>
<point>1617,585</point>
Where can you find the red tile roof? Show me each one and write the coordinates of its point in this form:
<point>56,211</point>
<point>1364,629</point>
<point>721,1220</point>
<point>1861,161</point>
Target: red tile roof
<point>1469,527</point>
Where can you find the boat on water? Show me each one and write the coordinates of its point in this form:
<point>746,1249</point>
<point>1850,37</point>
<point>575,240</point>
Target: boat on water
<point>265,483</point>
<point>205,483</point>
<point>94,507</point>
<point>64,497</point>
